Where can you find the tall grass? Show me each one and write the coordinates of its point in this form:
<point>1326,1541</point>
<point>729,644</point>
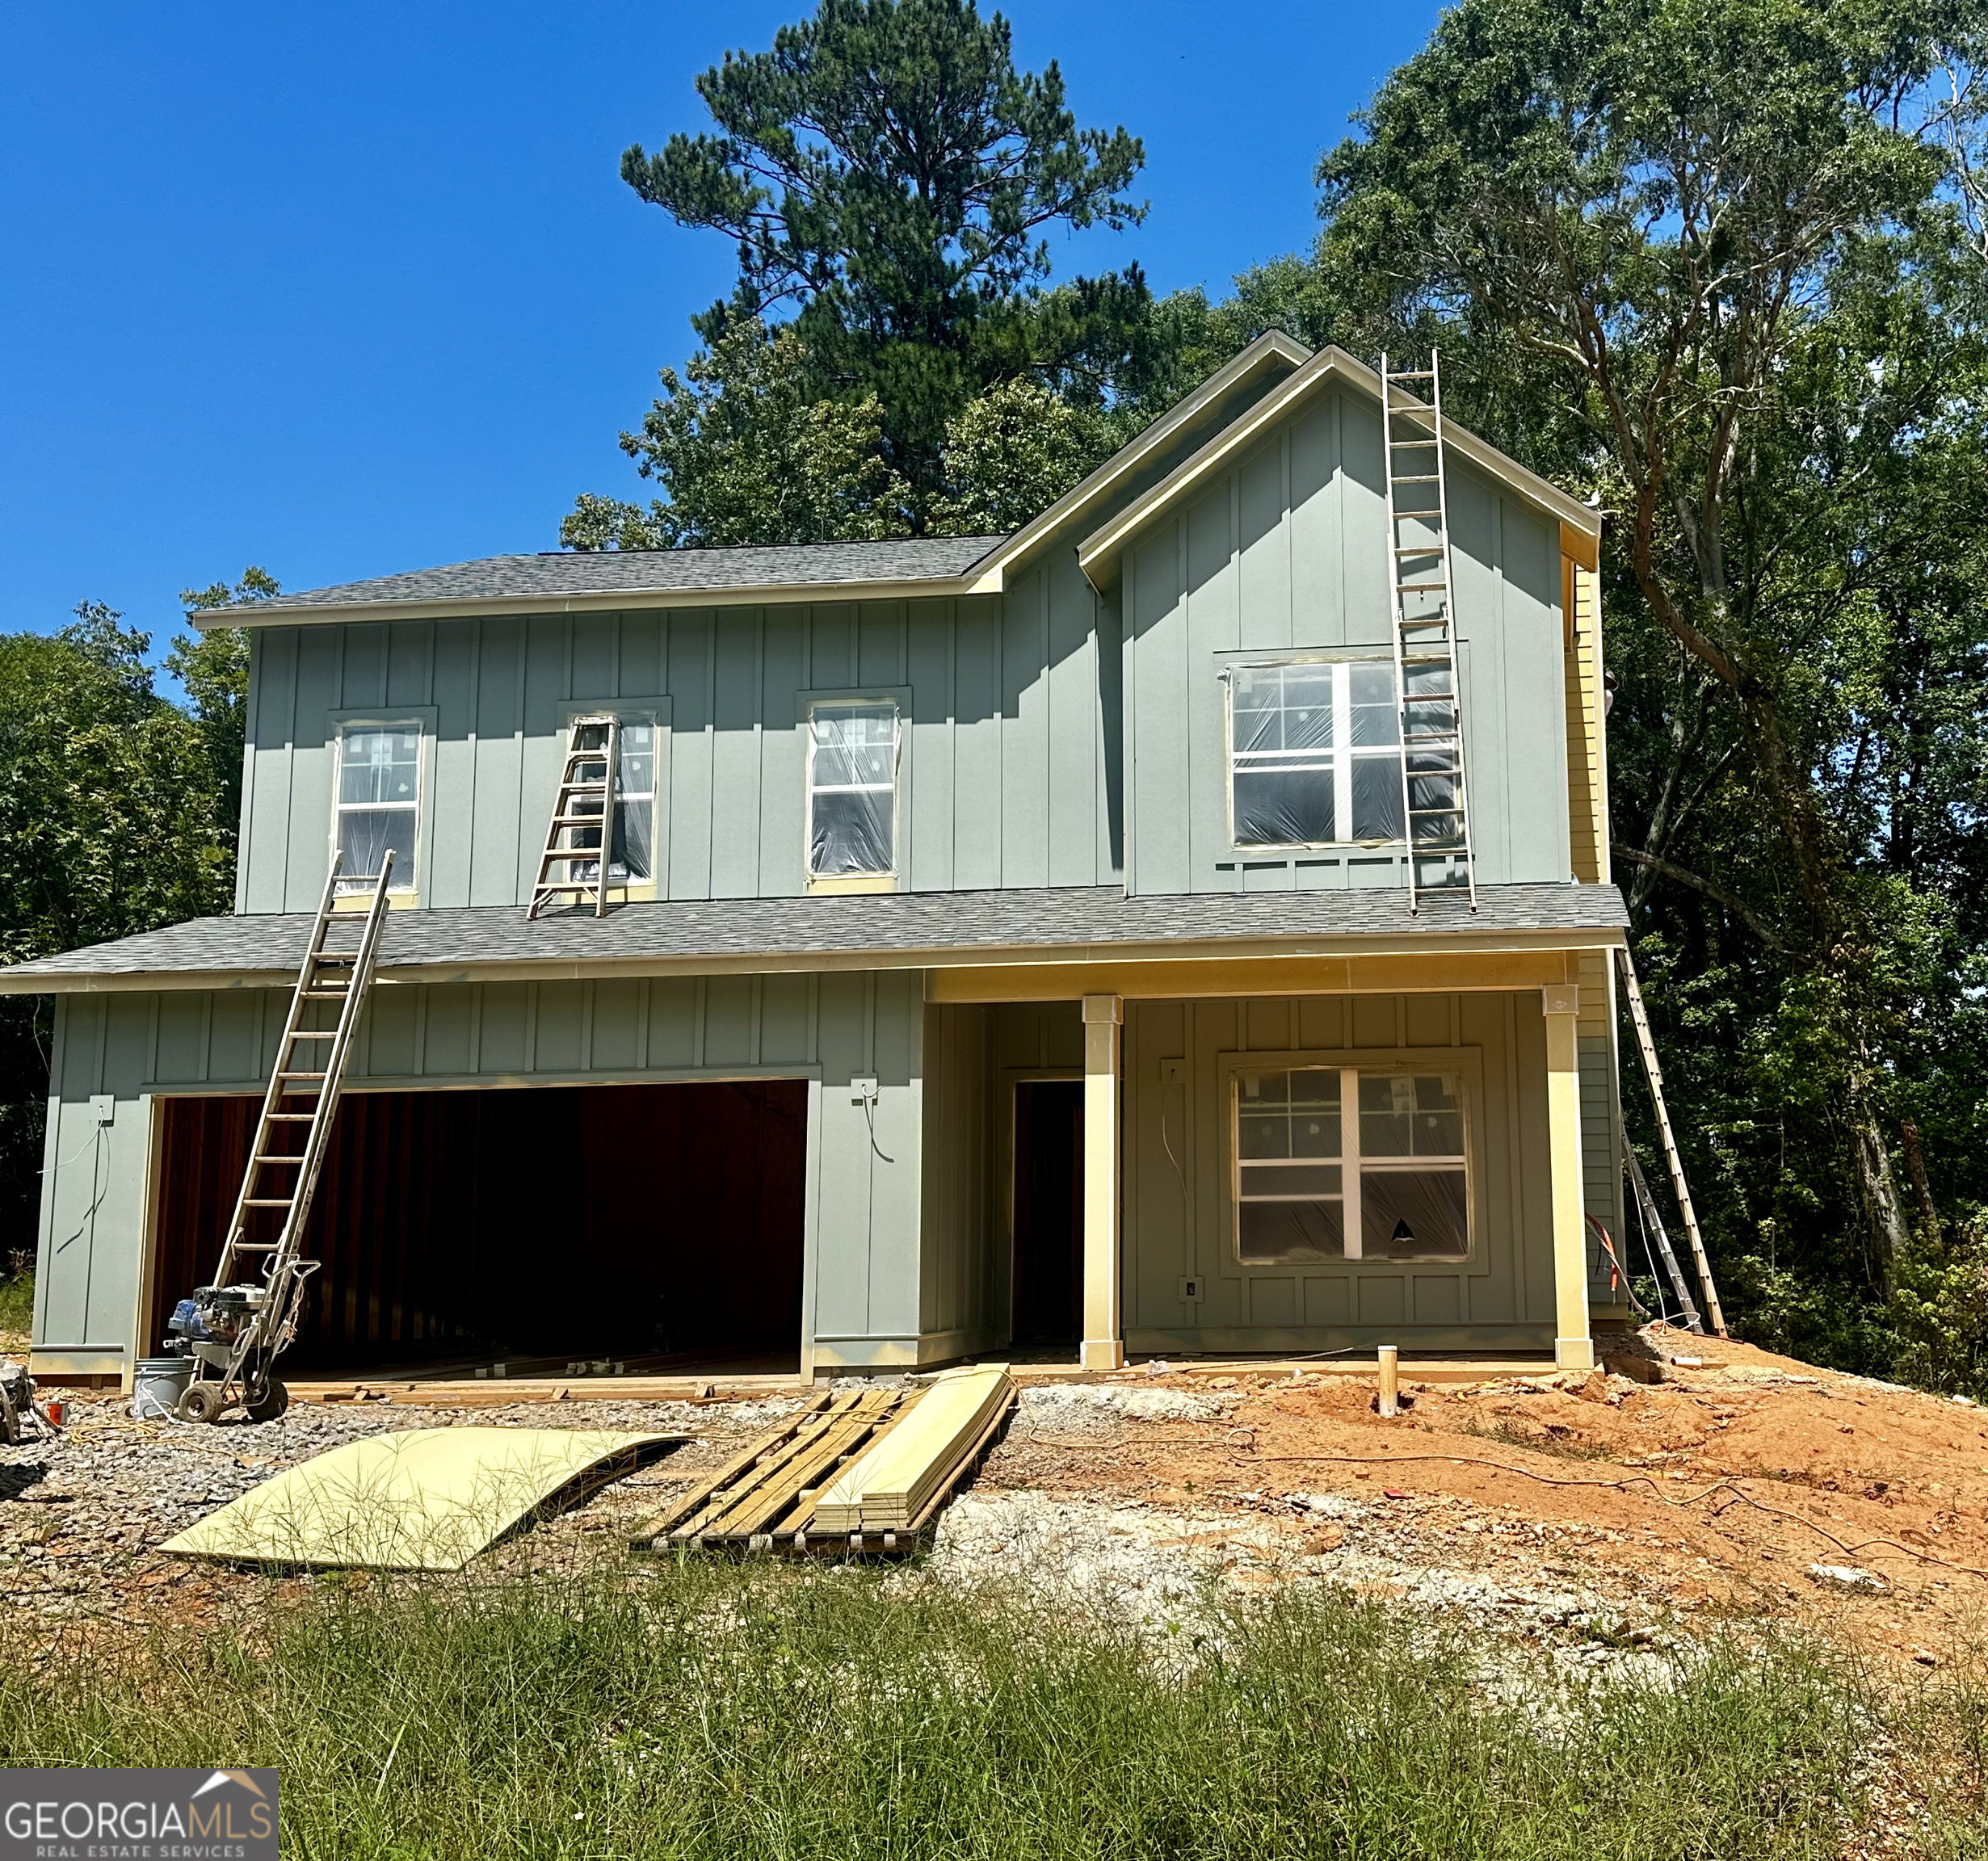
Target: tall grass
<point>17,1297</point>
<point>712,1710</point>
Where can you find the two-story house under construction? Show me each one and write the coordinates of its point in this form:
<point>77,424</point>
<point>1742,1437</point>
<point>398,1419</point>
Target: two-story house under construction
<point>1181,927</point>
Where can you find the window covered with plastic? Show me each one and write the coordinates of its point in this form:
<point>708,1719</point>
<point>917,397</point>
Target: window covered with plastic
<point>1413,1197</point>
<point>1315,753</point>
<point>1290,1200</point>
<point>378,804</point>
<point>1333,1163</point>
<point>634,854</point>
<point>633,859</point>
<point>852,789</point>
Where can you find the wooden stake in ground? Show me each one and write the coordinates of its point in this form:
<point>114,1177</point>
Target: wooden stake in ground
<point>1652,1075</point>
<point>1390,1379</point>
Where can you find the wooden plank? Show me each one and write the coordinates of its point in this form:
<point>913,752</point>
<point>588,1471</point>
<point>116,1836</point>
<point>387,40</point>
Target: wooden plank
<point>896,1476</point>
<point>757,1511</point>
<point>966,1464</point>
<point>770,1486</point>
<point>760,1472</point>
<point>686,1503</point>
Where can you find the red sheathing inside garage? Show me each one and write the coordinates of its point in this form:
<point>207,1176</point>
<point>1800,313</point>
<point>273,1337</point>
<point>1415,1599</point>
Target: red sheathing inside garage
<point>605,1219</point>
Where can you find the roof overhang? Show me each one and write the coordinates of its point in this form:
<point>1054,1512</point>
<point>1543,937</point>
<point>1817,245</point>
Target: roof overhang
<point>1172,953</point>
<point>607,601</point>
<point>1098,555</point>
<point>676,941</point>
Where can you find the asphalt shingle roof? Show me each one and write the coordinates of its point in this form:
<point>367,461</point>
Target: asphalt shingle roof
<point>559,574</point>
<point>1071,920</point>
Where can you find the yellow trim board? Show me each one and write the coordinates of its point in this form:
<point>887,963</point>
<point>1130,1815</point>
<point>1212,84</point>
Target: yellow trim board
<point>1439,972</point>
<point>417,1499</point>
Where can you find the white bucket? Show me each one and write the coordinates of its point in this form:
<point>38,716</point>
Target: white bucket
<point>158,1384</point>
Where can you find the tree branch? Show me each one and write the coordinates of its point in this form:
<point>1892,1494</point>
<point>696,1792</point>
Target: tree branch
<point>1718,894</point>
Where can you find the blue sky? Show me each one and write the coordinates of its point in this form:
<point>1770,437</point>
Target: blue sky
<point>348,290</point>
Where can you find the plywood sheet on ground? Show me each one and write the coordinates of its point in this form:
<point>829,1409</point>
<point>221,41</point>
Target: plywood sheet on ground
<point>417,1499</point>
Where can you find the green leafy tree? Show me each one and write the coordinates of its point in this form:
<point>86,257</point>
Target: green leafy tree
<point>888,175</point>
<point>747,452</point>
<point>1011,452</point>
<point>109,825</point>
<point>1707,260</point>
<point>213,667</point>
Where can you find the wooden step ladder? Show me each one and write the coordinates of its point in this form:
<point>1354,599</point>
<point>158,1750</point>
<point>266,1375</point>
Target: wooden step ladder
<point>284,1161</point>
<point>581,835</point>
<point>1652,1076</point>
<point>1435,816</point>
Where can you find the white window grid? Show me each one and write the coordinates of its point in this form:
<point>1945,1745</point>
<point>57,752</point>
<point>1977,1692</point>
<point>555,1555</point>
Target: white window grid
<point>403,833</point>
<point>847,707</point>
<point>1337,757</point>
<point>1342,1151</point>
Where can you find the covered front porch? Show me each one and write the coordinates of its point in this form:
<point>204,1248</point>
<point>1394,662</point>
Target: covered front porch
<point>1288,1157</point>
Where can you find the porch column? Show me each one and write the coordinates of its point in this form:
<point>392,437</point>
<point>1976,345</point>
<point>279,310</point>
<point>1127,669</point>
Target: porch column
<point>1574,1347</point>
<point>1104,1344</point>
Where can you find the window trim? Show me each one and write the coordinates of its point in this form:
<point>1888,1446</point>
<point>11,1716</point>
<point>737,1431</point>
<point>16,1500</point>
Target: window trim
<point>653,710</point>
<point>1343,752</point>
<point>806,704</point>
<point>423,720</point>
<point>1464,1064</point>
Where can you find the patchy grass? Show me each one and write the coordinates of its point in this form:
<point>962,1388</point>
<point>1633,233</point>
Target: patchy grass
<point>707,1709</point>
<point>17,1300</point>
<point>1552,1437</point>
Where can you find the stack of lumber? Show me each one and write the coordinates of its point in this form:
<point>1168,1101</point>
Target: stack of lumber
<point>903,1477</point>
<point>766,1495</point>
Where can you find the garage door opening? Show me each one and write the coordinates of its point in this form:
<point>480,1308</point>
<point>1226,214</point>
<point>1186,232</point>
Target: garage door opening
<point>656,1226</point>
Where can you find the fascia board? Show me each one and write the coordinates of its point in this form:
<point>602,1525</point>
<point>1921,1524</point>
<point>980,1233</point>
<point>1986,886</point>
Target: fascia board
<point>1097,555</point>
<point>946,956</point>
<point>989,575</point>
<point>613,601</point>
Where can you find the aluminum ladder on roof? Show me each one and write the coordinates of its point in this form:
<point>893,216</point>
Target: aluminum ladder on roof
<point>581,838</point>
<point>1435,816</point>
<point>281,1177</point>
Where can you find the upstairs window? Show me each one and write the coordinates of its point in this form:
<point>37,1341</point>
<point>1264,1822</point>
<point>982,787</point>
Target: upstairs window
<point>379,800</point>
<point>1335,1163</point>
<point>634,859</point>
<point>852,789</point>
<point>1315,753</point>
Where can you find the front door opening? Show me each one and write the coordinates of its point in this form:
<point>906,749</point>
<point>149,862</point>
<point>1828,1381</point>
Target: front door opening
<point>650,1225</point>
<point>1049,1213</point>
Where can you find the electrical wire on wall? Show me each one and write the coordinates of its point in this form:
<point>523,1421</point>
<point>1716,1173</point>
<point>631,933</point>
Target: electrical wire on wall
<point>97,1194</point>
<point>869,1111</point>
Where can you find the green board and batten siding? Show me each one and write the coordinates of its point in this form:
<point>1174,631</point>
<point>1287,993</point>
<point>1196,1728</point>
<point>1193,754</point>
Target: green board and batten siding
<point>1003,781</point>
<point>1178,1178</point>
<point>1021,713</point>
<point>1287,553</point>
<point>864,1240</point>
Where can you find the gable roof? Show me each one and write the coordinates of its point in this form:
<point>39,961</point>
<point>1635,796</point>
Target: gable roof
<point>1235,407</point>
<point>1098,554</point>
<point>1272,357</point>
